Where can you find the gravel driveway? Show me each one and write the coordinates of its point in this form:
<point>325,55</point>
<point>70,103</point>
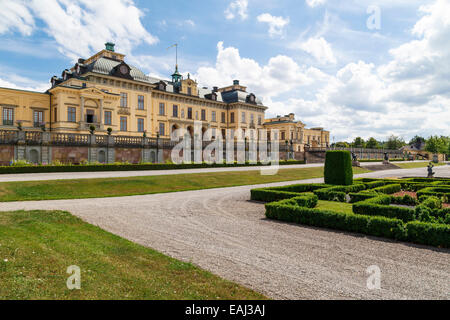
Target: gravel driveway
<point>221,231</point>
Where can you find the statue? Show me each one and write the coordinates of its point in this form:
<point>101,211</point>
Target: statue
<point>386,158</point>
<point>430,170</point>
<point>355,162</point>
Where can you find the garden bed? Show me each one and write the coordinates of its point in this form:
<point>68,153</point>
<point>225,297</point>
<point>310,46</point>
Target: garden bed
<point>380,207</point>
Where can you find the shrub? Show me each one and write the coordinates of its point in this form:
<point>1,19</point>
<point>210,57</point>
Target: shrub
<point>338,168</point>
<point>429,233</point>
<point>424,214</point>
<point>406,200</point>
<point>357,197</point>
<point>308,200</point>
<point>268,195</point>
<point>388,189</point>
<point>387,228</point>
<point>434,191</point>
<point>380,206</point>
<point>432,203</point>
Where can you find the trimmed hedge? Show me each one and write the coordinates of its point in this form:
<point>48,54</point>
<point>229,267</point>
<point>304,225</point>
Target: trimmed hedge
<point>380,206</point>
<point>418,232</point>
<point>338,193</point>
<point>388,189</point>
<point>434,191</point>
<point>357,197</point>
<point>126,167</point>
<point>376,226</point>
<point>338,168</point>
<point>433,234</point>
<point>267,195</point>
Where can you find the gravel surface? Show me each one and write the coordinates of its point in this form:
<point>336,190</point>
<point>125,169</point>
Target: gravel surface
<point>221,231</point>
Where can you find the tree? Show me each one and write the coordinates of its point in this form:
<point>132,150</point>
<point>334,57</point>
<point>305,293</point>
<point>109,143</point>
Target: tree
<point>342,145</point>
<point>358,143</point>
<point>394,143</point>
<point>436,144</point>
<point>417,142</point>
<point>372,143</point>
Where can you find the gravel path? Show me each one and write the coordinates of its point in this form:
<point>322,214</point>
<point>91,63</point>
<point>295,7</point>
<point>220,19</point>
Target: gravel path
<point>221,231</point>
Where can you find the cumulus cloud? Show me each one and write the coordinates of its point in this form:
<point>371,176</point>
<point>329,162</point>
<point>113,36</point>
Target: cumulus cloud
<point>315,3</point>
<point>15,15</point>
<point>80,27</point>
<point>276,24</point>
<point>237,8</point>
<point>319,48</point>
<point>406,96</point>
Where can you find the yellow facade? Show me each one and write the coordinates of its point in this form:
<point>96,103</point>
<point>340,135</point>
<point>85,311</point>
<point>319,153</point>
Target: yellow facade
<point>30,109</point>
<point>105,92</point>
<point>296,133</point>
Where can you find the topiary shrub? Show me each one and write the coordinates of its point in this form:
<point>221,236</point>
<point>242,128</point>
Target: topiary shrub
<point>338,168</point>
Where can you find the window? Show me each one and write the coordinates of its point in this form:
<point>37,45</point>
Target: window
<point>259,120</point>
<point>283,136</point>
<point>108,117</point>
<point>123,124</point>
<point>8,116</point>
<point>189,115</point>
<point>189,91</point>
<point>140,125</point>
<point>162,129</point>
<point>124,100</point>
<point>38,118</point>
<point>243,117</point>
<point>213,116</point>
<point>203,115</point>
<point>161,109</point>
<point>175,111</point>
<point>141,103</point>
<point>71,114</point>
<point>223,117</point>
<point>232,117</point>
<point>90,116</point>
<point>252,118</point>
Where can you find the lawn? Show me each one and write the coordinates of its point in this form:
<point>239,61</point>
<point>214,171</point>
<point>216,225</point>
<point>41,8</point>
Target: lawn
<point>412,165</point>
<point>116,187</point>
<point>335,206</point>
<point>37,247</point>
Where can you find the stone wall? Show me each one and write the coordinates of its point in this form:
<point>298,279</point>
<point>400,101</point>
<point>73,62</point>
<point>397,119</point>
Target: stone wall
<point>74,155</point>
<point>6,154</point>
<point>131,155</point>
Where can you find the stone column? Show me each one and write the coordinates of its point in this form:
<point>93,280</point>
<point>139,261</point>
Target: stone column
<point>82,111</point>
<point>21,146</point>
<point>100,118</point>
<point>145,151</point>
<point>45,148</point>
<point>111,156</point>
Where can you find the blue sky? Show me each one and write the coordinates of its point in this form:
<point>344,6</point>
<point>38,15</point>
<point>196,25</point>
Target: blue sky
<point>317,58</point>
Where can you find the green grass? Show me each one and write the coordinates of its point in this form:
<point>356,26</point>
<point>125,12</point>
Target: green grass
<point>335,206</point>
<point>413,165</point>
<point>37,247</point>
<point>116,187</point>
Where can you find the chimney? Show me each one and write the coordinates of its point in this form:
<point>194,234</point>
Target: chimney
<point>235,82</point>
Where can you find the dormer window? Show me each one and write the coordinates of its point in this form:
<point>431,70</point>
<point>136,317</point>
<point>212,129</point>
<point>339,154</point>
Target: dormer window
<point>161,86</point>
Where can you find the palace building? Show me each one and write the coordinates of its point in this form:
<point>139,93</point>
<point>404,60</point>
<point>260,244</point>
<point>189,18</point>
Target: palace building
<point>105,92</point>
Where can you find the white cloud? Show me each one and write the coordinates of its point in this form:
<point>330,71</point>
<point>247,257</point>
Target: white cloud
<point>81,27</point>
<point>315,3</point>
<point>319,48</point>
<point>237,8</point>
<point>276,24</point>
<point>16,15</point>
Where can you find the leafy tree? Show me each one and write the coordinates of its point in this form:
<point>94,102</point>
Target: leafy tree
<point>372,143</point>
<point>358,143</point>
<point>394,143</point>
<point>342,145</point>
<point>436,144</point>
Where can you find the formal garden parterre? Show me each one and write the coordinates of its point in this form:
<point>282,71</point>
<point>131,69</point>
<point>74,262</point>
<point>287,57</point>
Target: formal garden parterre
<point>413,210</point>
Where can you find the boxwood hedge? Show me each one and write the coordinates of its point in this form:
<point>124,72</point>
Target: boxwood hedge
<point>338,168</point>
